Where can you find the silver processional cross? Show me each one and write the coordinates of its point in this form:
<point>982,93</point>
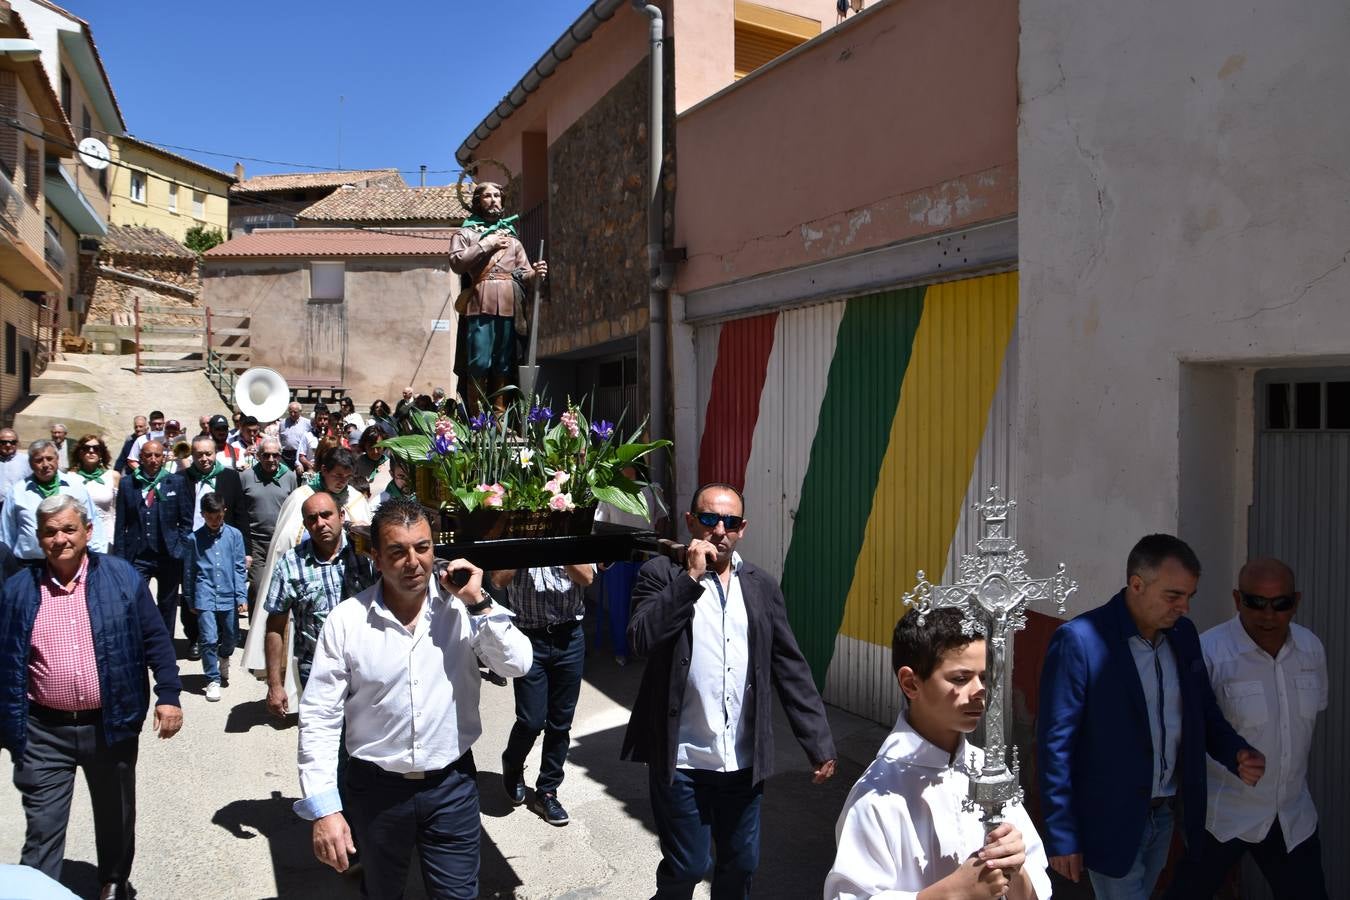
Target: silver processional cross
<point>993,591</point>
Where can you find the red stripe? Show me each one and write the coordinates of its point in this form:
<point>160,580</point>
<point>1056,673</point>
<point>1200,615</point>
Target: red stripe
<point>733,408</point>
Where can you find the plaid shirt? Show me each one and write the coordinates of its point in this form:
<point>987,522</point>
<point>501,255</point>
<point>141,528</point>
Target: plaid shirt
<point>62,668</point>
<point>308,588</point>
<point>545,596</point>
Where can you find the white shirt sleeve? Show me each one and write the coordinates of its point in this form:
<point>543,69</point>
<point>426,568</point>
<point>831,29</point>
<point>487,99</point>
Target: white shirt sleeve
<point>322,707</point>
<point>866,863</point>
<point>502,646</point>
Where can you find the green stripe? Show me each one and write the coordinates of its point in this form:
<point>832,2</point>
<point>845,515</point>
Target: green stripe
<point>871,353</point>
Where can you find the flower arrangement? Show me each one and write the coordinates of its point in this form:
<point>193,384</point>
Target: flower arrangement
<point>525,458</point>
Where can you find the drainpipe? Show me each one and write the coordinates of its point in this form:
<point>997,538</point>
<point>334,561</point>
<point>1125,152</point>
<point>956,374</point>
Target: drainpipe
<point>660,272</point>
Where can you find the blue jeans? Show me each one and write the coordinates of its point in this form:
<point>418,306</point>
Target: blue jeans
<point>438,814</point>
<point>700,811</point>
<point>1137,884</point>
<point>546,699</point>
<point>219,636</point>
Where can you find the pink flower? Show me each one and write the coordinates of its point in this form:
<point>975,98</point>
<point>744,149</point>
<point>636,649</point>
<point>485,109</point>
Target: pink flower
<point>445,428</point>
<point>561,477</point>
<point>553,487</point>
<point>569,421</point>
<point>495,494</point>
<point>561,503</point>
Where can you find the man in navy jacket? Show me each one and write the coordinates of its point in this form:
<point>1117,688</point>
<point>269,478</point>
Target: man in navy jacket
<point>1126,718</point>
<point>77,634</point>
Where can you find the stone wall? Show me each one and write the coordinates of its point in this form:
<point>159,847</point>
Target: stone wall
<point>598,222</point>
<point>162,281</point>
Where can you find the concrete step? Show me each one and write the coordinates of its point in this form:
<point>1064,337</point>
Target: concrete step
<point>66,366</point>
<point>53,383</point>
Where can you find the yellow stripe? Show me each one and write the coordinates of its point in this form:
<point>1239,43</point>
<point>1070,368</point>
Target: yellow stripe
<point>939,422</point>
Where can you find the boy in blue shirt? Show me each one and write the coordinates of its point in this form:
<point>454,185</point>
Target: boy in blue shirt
<point>219,582</point>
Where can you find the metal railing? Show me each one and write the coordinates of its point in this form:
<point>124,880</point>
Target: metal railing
<point>533,229</point>
<point>52,249</point>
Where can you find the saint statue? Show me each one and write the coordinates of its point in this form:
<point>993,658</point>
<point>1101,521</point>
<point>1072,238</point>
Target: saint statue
<point>497,276</point>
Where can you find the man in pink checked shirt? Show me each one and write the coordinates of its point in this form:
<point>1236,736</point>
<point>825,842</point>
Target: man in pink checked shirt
<point>76,636</point>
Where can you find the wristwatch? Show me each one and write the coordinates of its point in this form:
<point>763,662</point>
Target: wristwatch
<point>484,601</point>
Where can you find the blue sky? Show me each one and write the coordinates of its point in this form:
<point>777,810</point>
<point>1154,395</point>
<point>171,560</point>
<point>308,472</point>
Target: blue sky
<point>262,79</point>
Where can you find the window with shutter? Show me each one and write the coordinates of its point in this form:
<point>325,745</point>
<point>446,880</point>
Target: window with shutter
<point>9,137</point>
<point>326,281</point>
<point>32,173</point>
<point>762,34</point>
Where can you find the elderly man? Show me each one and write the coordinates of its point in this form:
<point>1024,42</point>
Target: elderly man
<point>398,665</point>
<point>156,433</point>
<point>712,627</point>
<point>1124,726</point>
<point>139,425</point>
<point>62,446</point>
<point>486,252</point>
<point>18,520</point>
<point>310,580</point>
<point>1270,676</point>
<point>296,435</point>
<point>77,635</point>
<point>13,464</point>
<point>208,475</point>
<point>266,485</point>
<point>154,524</point>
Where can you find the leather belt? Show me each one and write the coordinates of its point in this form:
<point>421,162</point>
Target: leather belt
<point>492,276</point>
<point>554,627</point>
<point>64,716</point>
<point>464,763</point>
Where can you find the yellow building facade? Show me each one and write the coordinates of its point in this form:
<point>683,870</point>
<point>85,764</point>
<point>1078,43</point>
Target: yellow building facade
<point>155,188</point>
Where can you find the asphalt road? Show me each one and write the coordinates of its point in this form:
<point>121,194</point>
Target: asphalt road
<point>214,807</point>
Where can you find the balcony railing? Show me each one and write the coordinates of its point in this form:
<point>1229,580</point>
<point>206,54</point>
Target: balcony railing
<point>52,249</point>
<point>11,202</point>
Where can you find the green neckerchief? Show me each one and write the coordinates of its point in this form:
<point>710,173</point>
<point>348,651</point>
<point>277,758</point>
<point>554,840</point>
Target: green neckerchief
<point>197,475</point>
<point>485,227</point>
<point>96,475</point>
<point>47,490</point>
<point>395,493</point>
<point>281,470</point>
<point>316,483</point>
<point>151,484</point>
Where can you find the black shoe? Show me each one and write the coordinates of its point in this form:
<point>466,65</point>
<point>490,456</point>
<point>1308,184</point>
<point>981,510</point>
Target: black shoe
<point>549,809</point>
<point>513,778</point>
<point>194,651</point>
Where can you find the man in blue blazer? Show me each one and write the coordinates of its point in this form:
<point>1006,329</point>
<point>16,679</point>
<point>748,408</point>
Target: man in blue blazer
<point>1126,718</point>
<point>154,523</point>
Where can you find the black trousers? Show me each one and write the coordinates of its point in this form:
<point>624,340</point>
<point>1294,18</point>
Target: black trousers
<point>438,814</point>
<point>44,775</point>
<point>168,574</point>
<point>1293,874</point>
<point>546,701</point>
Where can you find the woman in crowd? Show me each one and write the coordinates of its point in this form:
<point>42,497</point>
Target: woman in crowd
<point>93,465</point>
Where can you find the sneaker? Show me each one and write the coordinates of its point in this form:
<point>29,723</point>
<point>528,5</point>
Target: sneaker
<point>225,671</point>
<point>194,651</point>
<point>549,809</point>
<point>213,691</point>
<point>513,777</point>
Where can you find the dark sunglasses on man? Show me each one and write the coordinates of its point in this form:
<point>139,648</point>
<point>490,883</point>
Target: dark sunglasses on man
<point>1282,603</point>
<point>710,520</point>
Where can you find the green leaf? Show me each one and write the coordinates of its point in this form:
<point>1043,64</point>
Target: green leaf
<point>633,504</point>
<point>626,453</point>
<point>423,421</point>
<point>411,448</point>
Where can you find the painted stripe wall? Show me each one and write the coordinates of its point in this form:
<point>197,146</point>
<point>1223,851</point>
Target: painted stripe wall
<point>869,424</point>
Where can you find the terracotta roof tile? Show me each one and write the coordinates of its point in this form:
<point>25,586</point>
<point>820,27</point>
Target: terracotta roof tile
<point>335,242</point>
<point>381,204</point>
<point>297,181</point>
<point>143,241</point>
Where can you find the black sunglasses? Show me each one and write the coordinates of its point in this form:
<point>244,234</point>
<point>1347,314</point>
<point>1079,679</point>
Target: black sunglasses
<point>1282,603</point>
<point>710,520</point>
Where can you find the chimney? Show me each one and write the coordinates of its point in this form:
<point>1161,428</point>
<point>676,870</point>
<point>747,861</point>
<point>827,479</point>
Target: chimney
<point>423,177</point>
<point>239,171</point>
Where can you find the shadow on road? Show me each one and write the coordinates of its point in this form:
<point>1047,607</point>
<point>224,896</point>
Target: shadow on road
<point>81,877</point>
<point>246,716</point>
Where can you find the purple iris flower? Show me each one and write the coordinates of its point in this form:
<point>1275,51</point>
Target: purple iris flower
<point>444,445</point>
<point>540,414</point>
<point>481,421</point>
<point>602,430</point>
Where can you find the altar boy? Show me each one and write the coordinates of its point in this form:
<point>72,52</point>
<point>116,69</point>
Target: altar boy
<point>902,832</point>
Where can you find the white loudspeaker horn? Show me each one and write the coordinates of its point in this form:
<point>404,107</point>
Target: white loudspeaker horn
<point>262,393</point>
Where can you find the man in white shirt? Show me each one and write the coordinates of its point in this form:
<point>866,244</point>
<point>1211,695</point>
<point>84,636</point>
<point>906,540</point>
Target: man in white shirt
<point>156,432</point>
<point>13,464</point>
<point>399,664</point>
<point>704,710</point>
<point>1270,678</point>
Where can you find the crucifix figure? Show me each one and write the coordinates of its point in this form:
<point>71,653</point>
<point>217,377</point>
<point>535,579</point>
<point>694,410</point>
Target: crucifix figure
<point>993,591</point>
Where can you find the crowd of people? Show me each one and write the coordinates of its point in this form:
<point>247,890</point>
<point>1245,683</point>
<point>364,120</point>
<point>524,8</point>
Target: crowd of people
<point>1143,722</point>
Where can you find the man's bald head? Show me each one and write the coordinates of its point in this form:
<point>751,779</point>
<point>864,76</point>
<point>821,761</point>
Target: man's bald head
<point>317,502</point>
<point>1267,576</point>
<point>323,521</point>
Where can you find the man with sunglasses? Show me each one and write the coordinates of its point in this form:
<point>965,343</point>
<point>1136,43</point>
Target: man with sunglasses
<point>13,464</point>
<point>1270,677</point>
<point>266,485</point>
<point>715,628</point>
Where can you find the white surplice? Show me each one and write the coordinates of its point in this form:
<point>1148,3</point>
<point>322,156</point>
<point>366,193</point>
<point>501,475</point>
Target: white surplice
<point>902,828</point>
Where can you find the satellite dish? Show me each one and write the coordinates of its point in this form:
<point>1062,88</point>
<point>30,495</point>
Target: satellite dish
<point>94,153</point>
